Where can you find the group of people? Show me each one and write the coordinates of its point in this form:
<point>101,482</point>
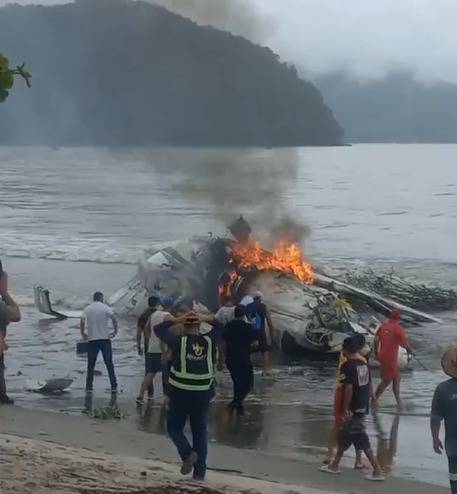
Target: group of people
<point>354,394</point>
<point>187,347</point>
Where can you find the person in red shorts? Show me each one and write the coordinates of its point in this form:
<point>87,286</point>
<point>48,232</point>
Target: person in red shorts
<point>355,379</point>
<point>389,338</point>
<point>338,409</point>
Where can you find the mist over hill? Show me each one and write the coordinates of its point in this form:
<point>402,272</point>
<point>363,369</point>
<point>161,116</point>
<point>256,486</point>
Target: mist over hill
<point>397,108</point>
<point>116,72</point>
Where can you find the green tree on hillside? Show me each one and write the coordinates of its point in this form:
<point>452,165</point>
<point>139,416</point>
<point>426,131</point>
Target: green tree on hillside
<point>7,75</point>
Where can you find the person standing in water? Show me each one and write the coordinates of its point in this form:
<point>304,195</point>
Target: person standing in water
<point>94,328</point>
<point>389,338</point>
<point>259,316</point>
<point>239,336</point>
<point>9,312</point>
<point>191,387</point>
<point>143,333</point>
<point>357,389</point>
<point>444,407</point>
<point>338,405</point>
<point>153,347</point>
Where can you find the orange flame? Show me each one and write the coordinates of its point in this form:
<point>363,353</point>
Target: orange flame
<point>285,258</point>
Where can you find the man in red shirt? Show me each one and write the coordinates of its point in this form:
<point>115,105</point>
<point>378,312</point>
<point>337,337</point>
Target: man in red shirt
<point>389,338</point>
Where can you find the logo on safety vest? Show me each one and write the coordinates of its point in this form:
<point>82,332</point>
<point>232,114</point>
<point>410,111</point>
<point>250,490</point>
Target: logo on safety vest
<point>198,350</point>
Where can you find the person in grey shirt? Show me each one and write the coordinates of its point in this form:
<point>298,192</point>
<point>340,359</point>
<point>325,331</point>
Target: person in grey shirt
<point>444,407</point>
<point>226,313</point>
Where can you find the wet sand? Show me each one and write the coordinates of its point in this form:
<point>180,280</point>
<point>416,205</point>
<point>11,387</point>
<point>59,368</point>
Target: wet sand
<point>38,467</point>
<point>115,453</point>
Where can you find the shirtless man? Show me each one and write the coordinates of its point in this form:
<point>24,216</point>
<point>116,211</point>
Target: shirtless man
<point>389,338</point>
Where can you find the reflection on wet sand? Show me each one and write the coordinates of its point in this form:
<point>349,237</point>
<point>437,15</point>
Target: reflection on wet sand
<point>387,442</point>
<point>89,400</point>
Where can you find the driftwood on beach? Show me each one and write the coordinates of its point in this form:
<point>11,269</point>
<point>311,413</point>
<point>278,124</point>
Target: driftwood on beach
<point>415,294</point>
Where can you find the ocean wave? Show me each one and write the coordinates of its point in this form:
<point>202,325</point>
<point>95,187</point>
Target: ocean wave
<point>117,259</point>
<point>75,251</point>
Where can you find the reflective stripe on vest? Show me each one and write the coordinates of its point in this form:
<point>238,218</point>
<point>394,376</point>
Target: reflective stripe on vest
<point>193,382</point>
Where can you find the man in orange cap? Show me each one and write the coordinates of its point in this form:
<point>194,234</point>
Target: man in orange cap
<point>444,407</point>
<point>389,338</point>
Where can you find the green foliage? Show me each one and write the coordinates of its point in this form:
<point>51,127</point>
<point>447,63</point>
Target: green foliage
<point>107,413</point>
<point>7,74</point>
<point>119,72</point>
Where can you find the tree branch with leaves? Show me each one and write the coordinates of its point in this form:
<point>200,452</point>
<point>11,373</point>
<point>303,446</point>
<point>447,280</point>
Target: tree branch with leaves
<point>8,74</point>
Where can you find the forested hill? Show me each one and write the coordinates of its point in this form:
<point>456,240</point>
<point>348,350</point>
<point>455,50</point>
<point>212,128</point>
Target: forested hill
<point>398,108</point>
<point>116,72</point>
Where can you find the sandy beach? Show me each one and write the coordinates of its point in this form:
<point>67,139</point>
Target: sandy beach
<point>45,452</point>
<point>38,467</point>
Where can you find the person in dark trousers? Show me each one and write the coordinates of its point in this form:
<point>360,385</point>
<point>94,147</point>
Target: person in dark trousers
<point>238,337</point>
<point>191,387</point>
<point>444,407</point>
<point>357,390</point>
<point>259,316</point>
<point>9,312</point>
<point>95,321</point>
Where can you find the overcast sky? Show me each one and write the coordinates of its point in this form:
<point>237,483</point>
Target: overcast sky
<point>366,37</point>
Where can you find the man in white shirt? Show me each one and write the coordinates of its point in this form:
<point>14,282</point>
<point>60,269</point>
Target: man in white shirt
<point>226,313</point>
<point>95,320</point>
<point>152,345</point>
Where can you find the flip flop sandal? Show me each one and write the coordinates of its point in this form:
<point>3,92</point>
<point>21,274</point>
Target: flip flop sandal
<point>327,469</point>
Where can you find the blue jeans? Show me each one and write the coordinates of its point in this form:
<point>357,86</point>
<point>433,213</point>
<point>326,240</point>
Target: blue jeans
<point>193,405</point>
<point>94,347</point>
<point>2,375</point>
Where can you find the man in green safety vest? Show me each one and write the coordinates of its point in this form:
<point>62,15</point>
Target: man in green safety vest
<point>191,384</point>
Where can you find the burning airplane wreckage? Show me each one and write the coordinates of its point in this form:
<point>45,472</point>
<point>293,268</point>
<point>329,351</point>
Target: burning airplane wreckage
<point>311,311</point>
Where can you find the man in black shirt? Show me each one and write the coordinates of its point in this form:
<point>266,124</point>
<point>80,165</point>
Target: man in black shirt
<point>238,336</point>
<point>356,380</point>
<point>444,407</point>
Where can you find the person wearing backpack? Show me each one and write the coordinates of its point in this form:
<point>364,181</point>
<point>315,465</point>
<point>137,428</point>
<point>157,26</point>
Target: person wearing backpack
<point>259,317</point>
